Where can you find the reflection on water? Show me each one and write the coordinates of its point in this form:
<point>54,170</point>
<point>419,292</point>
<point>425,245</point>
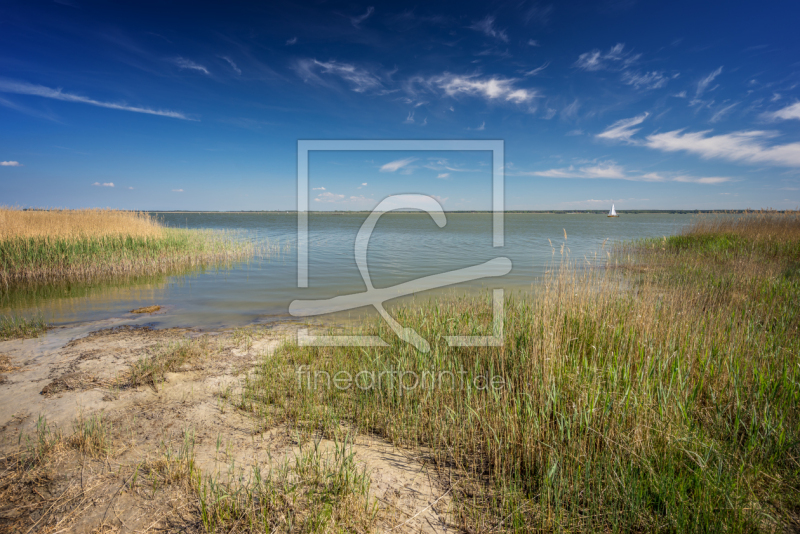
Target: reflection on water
<point>403,247</point>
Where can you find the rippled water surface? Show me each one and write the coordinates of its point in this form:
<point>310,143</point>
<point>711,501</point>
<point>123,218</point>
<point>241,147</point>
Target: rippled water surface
<point>403,247</point>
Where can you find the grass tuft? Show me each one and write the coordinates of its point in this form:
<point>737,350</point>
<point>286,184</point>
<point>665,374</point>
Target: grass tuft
<point>17,326</point>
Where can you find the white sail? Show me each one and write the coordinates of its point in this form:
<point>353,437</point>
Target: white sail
<point>612,213</point>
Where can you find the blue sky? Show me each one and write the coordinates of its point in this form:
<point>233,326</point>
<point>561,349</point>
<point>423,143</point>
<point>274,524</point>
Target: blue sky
<point>186,105</point>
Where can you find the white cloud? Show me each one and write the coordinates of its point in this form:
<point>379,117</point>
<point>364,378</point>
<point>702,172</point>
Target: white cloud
<point>533,42</point>
<point>656,177</point>
<point>703,84</point>
<point>106,184</point>
<point>328,197</point>
<point>23,88</point>
<point>789,112</point>
<point>602,170</point>
<point>393,166</point>
<point>410,118</point>
<point>444,175</point>
<point>361,18</point>
<point>10,164</point>
<point>682,94</point>
<point>359,78</point>
<point>491,88</point>
<point>743,146</point>
<point>480,128</point>
<point>615,58</point>
<point>130,187</point>
<point>535,71</point>
<point>188,64</point>
<point>233,65</point>
<point>364,184</point>
<point>318,189</point>
<point>177,190</point>
<point>722,112</point>
<point>486,26</point>
<point>623,129</point>
<point>290,42</point>
<point>612,171</point>
<point>648,80</point>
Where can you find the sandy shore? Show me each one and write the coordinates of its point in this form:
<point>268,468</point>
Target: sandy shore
<point>73,374</point>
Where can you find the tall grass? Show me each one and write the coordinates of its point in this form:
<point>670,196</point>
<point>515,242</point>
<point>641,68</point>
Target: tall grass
<point>51,246</point>
<point>661,395</point>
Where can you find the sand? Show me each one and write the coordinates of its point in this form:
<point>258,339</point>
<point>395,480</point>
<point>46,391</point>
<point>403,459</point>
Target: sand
<point>74,373</point>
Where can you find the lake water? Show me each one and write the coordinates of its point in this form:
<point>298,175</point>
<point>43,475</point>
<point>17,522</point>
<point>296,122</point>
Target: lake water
<point>403,247</point>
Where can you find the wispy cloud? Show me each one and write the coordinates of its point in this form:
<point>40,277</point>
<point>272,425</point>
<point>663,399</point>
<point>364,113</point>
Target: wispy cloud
<point>533,42</point>
<point>26,110</point>
<point>623,130</point>
<point>106,184</point>
<point>10,164</point>
<point>318,189</point>
<point>789,112</point>
<point>360,79</point>
<point>486,26</point>
<point>177,190</point>
<point>603,170</point>
<point>290,42</point>
<point>24,88</point>
<point>490,88</point>
<point>188,64</point>
<point>410,118</point>
<point>444,175</point>
<point>648,80</point>
<point>612,171</point>
<point>396,165</point>
<point>535,71</point>
<point>356,21</point>
<point>444,165</point>
<point>233,65</point>
<point>703,84</point>
<point>721,112</point>
<point>480,128</point>
<point>743,146</point>
<point>616,58</point>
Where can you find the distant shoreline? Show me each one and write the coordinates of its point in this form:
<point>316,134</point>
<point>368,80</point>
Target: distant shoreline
<point>539,212</point>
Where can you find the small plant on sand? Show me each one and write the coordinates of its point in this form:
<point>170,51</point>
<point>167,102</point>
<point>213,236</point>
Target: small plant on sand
<point>18,326</point>
<point>150,370</point>
<point>316,491</point>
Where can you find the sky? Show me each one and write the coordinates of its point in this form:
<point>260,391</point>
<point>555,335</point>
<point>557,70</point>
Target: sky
<point>199,106</point>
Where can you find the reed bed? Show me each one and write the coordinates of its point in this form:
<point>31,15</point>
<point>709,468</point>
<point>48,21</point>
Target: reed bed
<point>659,396</point>
<point>55,246</point>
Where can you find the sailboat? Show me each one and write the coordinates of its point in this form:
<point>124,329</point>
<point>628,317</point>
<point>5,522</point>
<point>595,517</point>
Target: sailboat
<point>613,212</point>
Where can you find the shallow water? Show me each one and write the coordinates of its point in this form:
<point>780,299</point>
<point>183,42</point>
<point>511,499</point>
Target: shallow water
<point>403,247</point>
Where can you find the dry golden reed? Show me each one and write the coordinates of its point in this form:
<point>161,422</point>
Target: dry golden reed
<point>57,223</point>
<point>51,246</point>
